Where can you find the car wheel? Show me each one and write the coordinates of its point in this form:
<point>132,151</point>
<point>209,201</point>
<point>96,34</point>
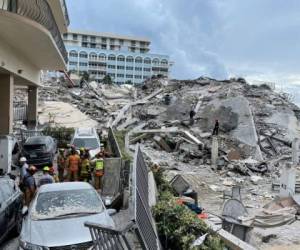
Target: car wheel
<point>18,227</point>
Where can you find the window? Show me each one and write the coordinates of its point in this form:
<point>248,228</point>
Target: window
<point>121,42</point>
<point>111,58</point>
<point>103,40</point>
<point>83,55</point>
<point>111,75</point>
<point>112,41</point>
<point>120,75</point>
<point>84,45</point>
<point>164,62</point>
<point>155,61</point>
<point>73,54</point>
<point>65,36</point>
<point>121,58</point>
<point>132,49</point>
<point>84,38</point>
<point>138,60</point>
<point>75,37</point>
<point>129,68</point>
<point>138,68</point>
<point>111,66</point>
<point>146,77</point>
<point>129,59</point>
<point>103,46</point>
<point>120,67</point>
<point>147,61</point>
<point>6,190</point>
<point>129,76</point>
<point>138,77</point>
<point>102,56</point>
<point>133,43</point>
<point>83,64</point>
<point>72,63</point>
<point>93,45</point>
<point>147,69</point>
<point>93,39</point>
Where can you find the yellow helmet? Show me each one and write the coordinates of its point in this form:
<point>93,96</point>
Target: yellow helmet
<point>81,149</point>
<point>46,169</point>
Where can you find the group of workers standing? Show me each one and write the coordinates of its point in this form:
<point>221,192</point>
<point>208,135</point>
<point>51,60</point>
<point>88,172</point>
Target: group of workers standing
<point>71,166</point>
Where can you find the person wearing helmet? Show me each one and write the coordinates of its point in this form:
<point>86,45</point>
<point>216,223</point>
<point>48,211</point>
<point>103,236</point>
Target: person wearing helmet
<point>73,163</point>
<point>98,163</point>
<point>46,178</point>
<point>53,174</point>
<point>81,152</point>
<point>85,171</point>
<point>29,184</point>
<point>61,163</point>
<point>23,168</point>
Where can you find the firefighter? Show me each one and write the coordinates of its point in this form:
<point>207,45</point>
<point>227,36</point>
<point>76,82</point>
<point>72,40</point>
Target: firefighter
<point>46,178</point>
<point>82,152</point>
<point>73,163</point>
<point>98,171</point>
<point>85,171</point>
<point>61,163</point>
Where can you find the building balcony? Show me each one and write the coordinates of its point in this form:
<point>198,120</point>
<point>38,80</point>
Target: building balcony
<point>29,28</point>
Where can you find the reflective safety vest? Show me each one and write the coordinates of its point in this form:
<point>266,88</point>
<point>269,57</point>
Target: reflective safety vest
<point>85,165</point>
<point>74,162</point>
<point>61,161</point>
<point>99,167</point>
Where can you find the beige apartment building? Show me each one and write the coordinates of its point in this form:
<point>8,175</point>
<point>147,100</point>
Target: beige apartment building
<point>30,41</point>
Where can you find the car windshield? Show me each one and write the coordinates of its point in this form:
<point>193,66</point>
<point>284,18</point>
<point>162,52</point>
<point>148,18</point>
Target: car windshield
<point>86,143</point>
<point>67,202</point>
<point>37,147</point>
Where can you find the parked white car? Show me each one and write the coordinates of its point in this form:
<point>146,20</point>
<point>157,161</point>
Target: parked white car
<point>55,219</point>
<point>87,138</point>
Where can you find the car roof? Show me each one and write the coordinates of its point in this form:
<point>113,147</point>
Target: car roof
<point>85,132</point>
<point>64,186</point>
<point>36,140</point>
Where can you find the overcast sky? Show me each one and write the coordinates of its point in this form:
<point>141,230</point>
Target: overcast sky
<point>256,39</point>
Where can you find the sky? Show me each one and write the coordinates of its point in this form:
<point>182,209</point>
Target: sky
<point>255,39</point>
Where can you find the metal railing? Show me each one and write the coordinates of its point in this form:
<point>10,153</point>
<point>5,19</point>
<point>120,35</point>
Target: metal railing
<point>40,12</point>
<point>20,111</point>
<point>142,212</point>
<point>105,238</point>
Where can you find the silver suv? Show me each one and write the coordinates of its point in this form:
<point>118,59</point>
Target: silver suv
<point>87,138</point>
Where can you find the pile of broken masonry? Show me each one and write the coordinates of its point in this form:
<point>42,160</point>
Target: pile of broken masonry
<point>257,127</point>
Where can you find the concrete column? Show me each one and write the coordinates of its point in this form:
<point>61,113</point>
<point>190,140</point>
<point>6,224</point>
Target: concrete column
<point>287,181</point>
<point>295,151</point>
<point>214,151</point>
<point>32,106</point>
<point>6,104</point>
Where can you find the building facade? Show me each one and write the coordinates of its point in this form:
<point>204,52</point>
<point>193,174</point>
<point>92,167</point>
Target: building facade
<point>123,58</point>
<point>30,41</point>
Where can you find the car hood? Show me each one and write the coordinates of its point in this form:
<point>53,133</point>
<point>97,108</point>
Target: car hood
<point>61,232</point>
<point>94,152</point>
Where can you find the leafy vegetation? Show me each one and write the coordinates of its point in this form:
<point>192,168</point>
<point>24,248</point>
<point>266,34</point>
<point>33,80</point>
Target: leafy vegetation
<point>120,137</point>
<point>177,225</point>
<point>107,80</point>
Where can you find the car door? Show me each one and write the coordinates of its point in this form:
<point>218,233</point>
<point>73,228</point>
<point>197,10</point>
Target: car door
<point>3,218</point>
<point>8,195</point>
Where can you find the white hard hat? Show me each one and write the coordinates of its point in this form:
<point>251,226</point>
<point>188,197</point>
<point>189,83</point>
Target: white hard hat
<point>23,159</point>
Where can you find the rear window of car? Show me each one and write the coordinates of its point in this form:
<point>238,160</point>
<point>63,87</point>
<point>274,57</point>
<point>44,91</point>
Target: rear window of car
<point>35,147</point>
<point>6,190</point>
<point>91,143</point>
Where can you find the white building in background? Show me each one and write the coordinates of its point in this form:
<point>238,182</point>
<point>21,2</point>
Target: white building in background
<point>123,58</point>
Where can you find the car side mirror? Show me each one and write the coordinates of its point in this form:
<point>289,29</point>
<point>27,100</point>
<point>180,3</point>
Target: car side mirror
<point>111,211</point>
<point>24,211</point>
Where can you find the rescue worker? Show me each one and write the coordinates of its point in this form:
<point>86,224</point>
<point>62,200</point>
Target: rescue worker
<point>46,178</point>
<point>216,128</point>
<point>98,171</point>
<point>53,174</point>
<point>81,152</point>
<point>85,171</point>
<point>23,168</point>
<point>61,163</point>
<point>29,184</point>
<point>73,163</point>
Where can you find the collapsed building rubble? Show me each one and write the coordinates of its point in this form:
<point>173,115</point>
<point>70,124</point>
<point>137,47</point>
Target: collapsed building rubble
<point>257,128</point>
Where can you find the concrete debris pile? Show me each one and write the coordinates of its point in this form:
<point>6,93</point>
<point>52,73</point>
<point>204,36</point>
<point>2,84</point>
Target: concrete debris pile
<point>99,102</point>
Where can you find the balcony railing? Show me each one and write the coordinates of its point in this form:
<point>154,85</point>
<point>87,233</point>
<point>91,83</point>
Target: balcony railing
<point>40,12</point>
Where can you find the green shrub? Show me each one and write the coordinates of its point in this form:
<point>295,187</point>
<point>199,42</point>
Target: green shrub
<point>178,226</point>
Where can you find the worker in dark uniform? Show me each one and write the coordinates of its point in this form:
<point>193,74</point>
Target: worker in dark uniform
<point>216,128</point>
<point>192,114</point>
